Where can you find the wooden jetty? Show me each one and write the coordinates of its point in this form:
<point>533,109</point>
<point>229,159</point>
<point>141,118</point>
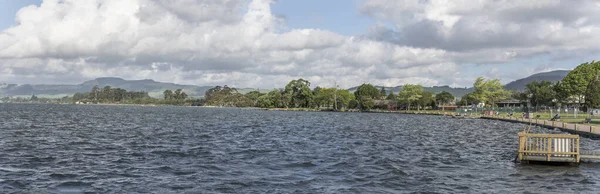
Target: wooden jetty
<point>551,148</point>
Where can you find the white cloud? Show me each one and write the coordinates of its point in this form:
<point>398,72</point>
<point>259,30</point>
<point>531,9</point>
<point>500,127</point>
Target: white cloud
<point>523,27</point>
<point>202,42</point>
<point>237,42</point>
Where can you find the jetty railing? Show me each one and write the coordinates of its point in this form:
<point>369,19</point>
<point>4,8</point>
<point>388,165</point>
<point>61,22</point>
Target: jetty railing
<point>548,147</point>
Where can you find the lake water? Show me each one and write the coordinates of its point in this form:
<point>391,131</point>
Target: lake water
<point>126,149</point>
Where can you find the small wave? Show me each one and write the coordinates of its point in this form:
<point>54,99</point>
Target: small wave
<point>300,165</point>
<point>9,169</point>
<point>60,176</point>
<point>72,187</point>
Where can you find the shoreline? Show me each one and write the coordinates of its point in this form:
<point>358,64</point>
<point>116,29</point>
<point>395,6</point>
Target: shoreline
<point>576,128</point>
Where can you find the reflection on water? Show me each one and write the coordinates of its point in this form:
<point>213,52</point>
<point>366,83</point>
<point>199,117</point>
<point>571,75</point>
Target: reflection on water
<point>108,149</point>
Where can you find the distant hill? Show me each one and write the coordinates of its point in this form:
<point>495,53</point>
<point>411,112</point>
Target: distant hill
<point>457,92</point>
<point>154,88</point>
<point>553,76</point>
<point>517,85</point>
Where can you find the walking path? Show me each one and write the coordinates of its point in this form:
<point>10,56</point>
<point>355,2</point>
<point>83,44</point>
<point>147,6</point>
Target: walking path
<point>568,127</point>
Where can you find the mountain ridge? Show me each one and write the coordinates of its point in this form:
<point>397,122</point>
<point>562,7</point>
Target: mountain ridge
<point>155,89</point>
<point>552,76</point>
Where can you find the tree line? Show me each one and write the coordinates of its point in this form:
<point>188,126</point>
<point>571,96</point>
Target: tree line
<point>298,94</point>
<point>111,95</point>
<point>580,88</point>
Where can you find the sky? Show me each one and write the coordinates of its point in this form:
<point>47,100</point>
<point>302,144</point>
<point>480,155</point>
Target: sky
<point>267,43</point>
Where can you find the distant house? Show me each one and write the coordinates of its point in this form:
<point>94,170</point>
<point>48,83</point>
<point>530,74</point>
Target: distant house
<point>509,103</point>
<point>448,107</point>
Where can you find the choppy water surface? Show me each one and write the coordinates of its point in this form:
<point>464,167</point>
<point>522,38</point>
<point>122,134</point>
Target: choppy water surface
<point>108,149</point>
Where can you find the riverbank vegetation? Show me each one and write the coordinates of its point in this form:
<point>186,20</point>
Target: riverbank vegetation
<point>580,88</point>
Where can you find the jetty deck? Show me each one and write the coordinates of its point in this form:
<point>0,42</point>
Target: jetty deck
<point>561,148</point>
<point>549,147</point>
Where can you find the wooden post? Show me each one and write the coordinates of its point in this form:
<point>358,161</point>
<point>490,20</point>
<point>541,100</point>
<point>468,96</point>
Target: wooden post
<point>521,147</point>
<point>548,148</point>
<point>577,147</point>
<point>590,129</point>
<point>575,126</point>
<point>553,124</point>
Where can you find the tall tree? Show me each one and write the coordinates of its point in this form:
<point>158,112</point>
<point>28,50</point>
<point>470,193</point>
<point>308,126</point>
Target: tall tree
<point>177,94</point>
<point>489,91</point>
<point>365,94</point>
<point>343,98</point>
<point>444,98</point>
<point>575,84</point>
<point>592,94</point>
<point>220,96</point>
<point>94,93</point>
<point>168,94</point>
<point>427,99</point>
<point>300,92</point>
<point>410,94</point>
<point>540,93</point>
<point>468,99</point>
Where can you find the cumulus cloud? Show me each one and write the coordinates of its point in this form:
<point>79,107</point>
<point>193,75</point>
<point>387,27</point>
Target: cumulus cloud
<point>524,27</point>
<point>202,42</point>
<point>240,42</point>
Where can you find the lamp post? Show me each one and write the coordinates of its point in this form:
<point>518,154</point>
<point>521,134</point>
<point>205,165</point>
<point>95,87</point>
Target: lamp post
<point>553,102</point>
<point>527,111</point>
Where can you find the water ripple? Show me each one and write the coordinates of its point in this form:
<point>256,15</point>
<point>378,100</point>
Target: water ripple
<point>113,149</point>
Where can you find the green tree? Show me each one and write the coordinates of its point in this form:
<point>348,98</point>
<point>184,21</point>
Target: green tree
<point>319,99</point>
<point>168,94</point>
<point>489,91</point>
<point>592,94</point>
<point>265,101</point>
<point>444,98</point>
<point>277,99</point>
<point>353,104</point>
<point>183,96</point>
<point>365,94</point>
<point>93,95</point>
<point>106,94</point>
<point>253,97</point>
<point>220,96</point>
<point>343,98</point>
<point>391,96</point>
<point>80,96</point>
<point>410,94</point>
<point>177,94</point>
<point>34,98</point>
<point>427,99</point>
<point>299,92</point>
<point>575,84</point>
<point>560,92</point>
<point>541,93</point>
<point>468,99</point>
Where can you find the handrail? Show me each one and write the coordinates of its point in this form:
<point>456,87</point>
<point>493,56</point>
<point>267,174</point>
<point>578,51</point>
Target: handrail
<point>548,135</point>
<point>549,146</point>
